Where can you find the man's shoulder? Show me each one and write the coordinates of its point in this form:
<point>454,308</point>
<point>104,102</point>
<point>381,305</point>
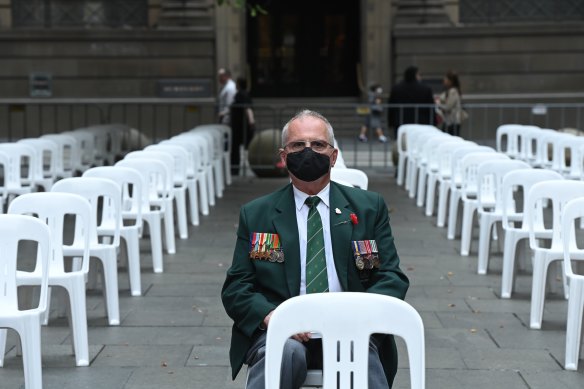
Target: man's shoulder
<point>357,194</point>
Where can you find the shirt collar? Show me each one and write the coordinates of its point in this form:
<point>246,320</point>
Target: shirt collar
<point>300,197</point>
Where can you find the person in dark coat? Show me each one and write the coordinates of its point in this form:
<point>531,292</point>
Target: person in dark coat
<point>410,91</point>
<point>242,123</point>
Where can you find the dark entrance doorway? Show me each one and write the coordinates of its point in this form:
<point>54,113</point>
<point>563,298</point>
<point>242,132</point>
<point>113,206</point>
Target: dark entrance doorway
<point>305,48</point>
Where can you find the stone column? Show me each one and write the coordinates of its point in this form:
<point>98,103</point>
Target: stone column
<point>230,39</point>
<point>376,43</point>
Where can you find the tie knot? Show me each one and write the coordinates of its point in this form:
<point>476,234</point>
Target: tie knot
<point>312,202</point>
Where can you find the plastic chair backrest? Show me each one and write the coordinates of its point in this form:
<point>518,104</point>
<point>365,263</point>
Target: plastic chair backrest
<point>154,174</point>
<point>456,172</point>
<point>193,155</point>
<point>95,189</point>
<point>52,208</point>
<point>508,139</point>
<point>429,154</point>
<point>46,156</point>
<point>355,177</point>
<point>223,129</point>
<point>527,143</point>
<point>13,229</point>
<point>181,161</point>
<point>545,143</point>
<point>346,321</point>
<point>522,180</point>
<point>469,166</point>
<point>200,143</point>
<point>574,210</point>
<point>68,153</point>
<point>132,184</point>
<point>559,192</point>
<point>570,147</point>
<point>86,146</point>
<point>216,139</point>
<point>164,187</point>
<point>490,180</point>
<point>444,155</point>
<point>340,160</point>
<point>20,155</point>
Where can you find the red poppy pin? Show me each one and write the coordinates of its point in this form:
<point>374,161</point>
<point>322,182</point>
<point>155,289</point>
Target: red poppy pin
<point>354,219</point>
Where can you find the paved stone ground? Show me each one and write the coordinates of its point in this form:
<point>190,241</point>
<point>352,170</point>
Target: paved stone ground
<point>177,335</point>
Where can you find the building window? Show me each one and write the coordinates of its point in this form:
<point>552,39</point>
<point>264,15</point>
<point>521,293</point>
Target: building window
<point>512,11</point>
<point>79,13</point>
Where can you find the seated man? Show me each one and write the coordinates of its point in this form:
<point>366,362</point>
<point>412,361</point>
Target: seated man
<point>311,236</point>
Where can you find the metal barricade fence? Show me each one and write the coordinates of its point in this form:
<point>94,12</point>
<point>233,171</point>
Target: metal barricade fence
<point>160,119</point>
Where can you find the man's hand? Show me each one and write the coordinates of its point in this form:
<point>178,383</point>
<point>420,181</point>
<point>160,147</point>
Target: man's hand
<point>302,337</point>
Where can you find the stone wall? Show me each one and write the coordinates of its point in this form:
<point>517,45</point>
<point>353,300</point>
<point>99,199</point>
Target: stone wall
<point>519,59</point>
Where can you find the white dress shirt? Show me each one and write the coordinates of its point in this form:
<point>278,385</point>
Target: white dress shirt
<point>323,208</point>
<point>226,97</point>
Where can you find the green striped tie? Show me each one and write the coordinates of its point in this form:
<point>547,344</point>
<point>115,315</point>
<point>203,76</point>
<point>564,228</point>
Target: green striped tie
<point>316,277</point>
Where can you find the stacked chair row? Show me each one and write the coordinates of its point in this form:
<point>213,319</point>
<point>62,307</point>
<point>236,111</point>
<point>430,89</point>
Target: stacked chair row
<point>530,189</point>
<point>106,204</point>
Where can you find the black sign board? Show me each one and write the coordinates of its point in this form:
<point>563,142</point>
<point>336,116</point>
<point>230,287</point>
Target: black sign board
<point>41,84</point>
<point>193,87</point>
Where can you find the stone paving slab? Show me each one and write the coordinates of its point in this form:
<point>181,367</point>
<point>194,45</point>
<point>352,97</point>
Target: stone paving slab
<point>177,334</point>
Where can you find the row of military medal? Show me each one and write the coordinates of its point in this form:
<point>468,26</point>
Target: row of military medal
<point>366,254</point>
<point>266,247</point>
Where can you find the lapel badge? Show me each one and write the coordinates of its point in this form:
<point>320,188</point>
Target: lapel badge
<point>337,211</point>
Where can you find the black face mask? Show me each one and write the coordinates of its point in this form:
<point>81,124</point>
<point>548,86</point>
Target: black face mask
<point>308,165</point>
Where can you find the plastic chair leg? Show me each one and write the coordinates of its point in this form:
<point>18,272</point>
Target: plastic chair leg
<point>413,181</point>
<point>78,321</point>
<point>227,168</point>
<point>155,226</point>
<point>452,213</point>
<point>442,201</point>
<point>508,271</point>
<point>401,169</point>
<point>430,195</point>
<point>484,243</point>
<point>110,276</point>
<point>181,213</point>
<point>169,228</point>
<point>218,173</point>
<point>30,338</point>
<point>3,333</point>
<point>210,186</point>
<point>467,227</point>
<point>421,187</point>
<point>203,195</point>
<point>133,248</point>
<point>45,315</point>
<point>538,290</point>
<point>193,202</point>
<point>574,325</point>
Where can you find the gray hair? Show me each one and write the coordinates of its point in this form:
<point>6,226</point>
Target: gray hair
<point>308,113</point>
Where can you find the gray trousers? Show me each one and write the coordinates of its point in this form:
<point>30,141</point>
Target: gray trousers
<point>295,360</point>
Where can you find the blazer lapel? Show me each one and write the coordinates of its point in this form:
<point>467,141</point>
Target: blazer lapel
<point>341,231</point>
<point>286,226</point>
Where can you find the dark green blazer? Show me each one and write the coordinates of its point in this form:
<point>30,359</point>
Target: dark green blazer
<point>253,288</point>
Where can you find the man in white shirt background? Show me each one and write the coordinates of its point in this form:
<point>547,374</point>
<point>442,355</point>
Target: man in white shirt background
<point>226,95</point>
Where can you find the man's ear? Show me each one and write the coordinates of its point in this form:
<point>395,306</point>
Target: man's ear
<point>282,157</point>
<point>334,157</point>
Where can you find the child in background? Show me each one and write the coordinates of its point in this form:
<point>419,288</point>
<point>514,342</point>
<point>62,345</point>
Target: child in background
<point>373,120</point>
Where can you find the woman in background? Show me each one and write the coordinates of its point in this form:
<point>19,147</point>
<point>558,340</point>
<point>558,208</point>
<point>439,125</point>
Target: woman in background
<point>449,104</point>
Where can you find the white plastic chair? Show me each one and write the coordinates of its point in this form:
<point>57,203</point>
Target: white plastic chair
<point>354,177</point>
<point>416,141</point>
<point>346,321</point>
<point>489,202</point>
<point>203,168</point>
<point>469,193</point>
<point>528,143</point>
<point>403,148</point>
<point>441,175</point>
<point>152,214</point>
<point>544,143</point>
<point>455,189</point>
<point>19,156</point>
<point>161,191</point>
<point>179,177</point>
<point>27,323</point>
<point>87,150</point>
<point>508,139</point>
<point>340,160</point>
<point>52,208</point>
<point>514,221</point>
<point>428,162</point>
<point>132,184</point>
<point>571,147</point>
<point>559,192</point>
<point>216,139</point>
<point>44,169</point>
<point>94,189</point>
<point>574,210</point>
<point>68,155</point>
